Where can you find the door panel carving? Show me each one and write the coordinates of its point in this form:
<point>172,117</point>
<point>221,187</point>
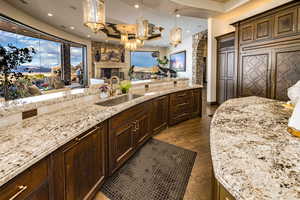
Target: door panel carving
<point>286,22</point>
<point>287,72</point>
<point>254,79</point>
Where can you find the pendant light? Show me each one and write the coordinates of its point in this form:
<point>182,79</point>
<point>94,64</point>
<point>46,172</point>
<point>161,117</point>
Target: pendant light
<point>124,38</point>
<point>94,14</point>
<point>142,26</point>
<point>176,32</point>
<point>131,45</point>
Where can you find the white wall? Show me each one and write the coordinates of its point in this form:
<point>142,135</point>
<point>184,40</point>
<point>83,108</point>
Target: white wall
<point>186,45</point>
<point>220,25</point>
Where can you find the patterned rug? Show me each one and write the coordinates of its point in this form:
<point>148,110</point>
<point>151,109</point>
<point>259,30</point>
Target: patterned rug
<point>158,171</point>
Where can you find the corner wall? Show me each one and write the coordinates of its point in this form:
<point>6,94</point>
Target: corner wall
<point>220,25</point>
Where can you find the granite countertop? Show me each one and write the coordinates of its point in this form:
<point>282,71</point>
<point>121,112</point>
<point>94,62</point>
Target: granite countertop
<point>25,143</point>
<point>254,157</point>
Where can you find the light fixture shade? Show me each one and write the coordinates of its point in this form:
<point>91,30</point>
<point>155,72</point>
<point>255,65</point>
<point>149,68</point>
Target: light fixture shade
<point>142,28</point>
<point>124,38</point>
<point>176,36</point>
<point>139,42</point>
<point>94,14</point>
<point>131,45</point>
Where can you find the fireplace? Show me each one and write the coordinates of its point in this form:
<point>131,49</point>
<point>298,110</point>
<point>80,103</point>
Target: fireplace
<point>109,72</point>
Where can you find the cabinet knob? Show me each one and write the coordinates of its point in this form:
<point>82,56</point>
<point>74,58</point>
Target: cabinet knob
<point>21,188</point>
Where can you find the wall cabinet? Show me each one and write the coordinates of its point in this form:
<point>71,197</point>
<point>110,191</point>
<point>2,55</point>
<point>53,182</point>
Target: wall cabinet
<point>267,50</point>
<point>33,184</point>
<point>79,167</point>
<point>160,114</point>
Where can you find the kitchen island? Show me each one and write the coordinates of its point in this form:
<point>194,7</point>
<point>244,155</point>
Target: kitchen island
<point>253,155</point>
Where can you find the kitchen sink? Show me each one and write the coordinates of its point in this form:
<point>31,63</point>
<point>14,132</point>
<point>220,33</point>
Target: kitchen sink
<point>119,100</point>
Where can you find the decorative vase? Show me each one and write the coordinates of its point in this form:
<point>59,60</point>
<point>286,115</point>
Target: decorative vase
<point>97,56</point>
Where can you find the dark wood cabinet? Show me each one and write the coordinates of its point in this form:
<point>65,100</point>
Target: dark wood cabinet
<point>196,103</point>
<point>267,55</point>
<point>226,69</point>
<point>127,131</point>
<point>219,192</point>
<point>33,184</point>
<point>286,22</point>
<point>180,107</point>
<point>79,167</point>
<point>160,114</point>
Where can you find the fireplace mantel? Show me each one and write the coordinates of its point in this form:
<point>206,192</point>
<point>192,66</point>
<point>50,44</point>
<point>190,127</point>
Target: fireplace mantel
<point>110,65</point>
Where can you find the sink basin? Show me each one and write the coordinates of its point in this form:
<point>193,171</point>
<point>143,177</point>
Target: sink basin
<point>119,100</point>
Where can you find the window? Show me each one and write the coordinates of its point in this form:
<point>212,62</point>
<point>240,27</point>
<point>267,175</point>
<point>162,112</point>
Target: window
<point>50,66</point>
<point>76,65</point>
<point>144,58</point>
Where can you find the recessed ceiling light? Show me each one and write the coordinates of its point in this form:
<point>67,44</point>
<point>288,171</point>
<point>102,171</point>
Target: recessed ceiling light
<point>50,14</point>
<point>72,27</point>
<point>188,31</point>
<point>177,15</point>
<point>136,5</point>
<point>88,36</point>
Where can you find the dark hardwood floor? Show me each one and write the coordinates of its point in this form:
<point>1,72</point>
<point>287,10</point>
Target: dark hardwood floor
<point>193,135</point>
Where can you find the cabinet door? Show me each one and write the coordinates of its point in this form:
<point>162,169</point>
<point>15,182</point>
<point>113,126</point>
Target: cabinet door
<point>41,194</point>
<point>264,28</point>
<point>221,82</point>
<point>246,33</point>
<point>287,71</point>
<point>254,76</point>
<point>196,103</point>
<point>285,22</point>
<point>160,114</point>
<point>142,132</point>
<point>84,165</point>
<point>121,144</point>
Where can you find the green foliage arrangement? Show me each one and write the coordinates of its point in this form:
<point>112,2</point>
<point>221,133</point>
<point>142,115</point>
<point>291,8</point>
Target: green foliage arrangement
<point>125,86</point>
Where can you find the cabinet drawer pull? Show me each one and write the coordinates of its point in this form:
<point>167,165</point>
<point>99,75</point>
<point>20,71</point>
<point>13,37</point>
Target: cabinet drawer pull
<point>182,104</point>
<point>182,95</point>
<point>21,188</point>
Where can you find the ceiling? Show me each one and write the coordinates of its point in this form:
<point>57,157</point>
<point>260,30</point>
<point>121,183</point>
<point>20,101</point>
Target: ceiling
<point>67,13</point>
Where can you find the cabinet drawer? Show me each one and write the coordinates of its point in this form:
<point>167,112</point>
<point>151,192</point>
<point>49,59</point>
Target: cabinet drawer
<point>180,97</point>
<point>25,184</point>
<point>127,115</point>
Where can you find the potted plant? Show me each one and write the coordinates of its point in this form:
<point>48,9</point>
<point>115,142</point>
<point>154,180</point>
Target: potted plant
<point>125,86</point>
<point>10,58</point>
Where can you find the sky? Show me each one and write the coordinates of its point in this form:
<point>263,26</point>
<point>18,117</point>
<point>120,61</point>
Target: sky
<point>143,59</point>
<point>48,52</point>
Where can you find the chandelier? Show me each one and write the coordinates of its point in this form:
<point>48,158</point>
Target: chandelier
<point>142,28</point>
<point>176,32</point>
<point>94,14</point>
<point>124,38</point>
<point>131,45</point>
<point>175,36</point>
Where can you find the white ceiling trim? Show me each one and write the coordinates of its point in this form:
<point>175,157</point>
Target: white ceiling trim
<point>230,5</point>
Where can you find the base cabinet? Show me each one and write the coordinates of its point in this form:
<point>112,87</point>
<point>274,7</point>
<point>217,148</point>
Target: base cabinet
<point>77,170</point>
<point>128,131</point>
<point>219,192</point>
<point>184,105</point>
<point>33,184</point>
<point>79,167</point>
<point>160,114</point>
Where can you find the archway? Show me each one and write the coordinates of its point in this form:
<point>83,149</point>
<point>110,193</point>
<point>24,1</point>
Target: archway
<point>199,57</point>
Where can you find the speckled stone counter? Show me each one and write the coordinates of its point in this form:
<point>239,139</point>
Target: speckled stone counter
<point>30,140</point>
<point>254,157</point>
